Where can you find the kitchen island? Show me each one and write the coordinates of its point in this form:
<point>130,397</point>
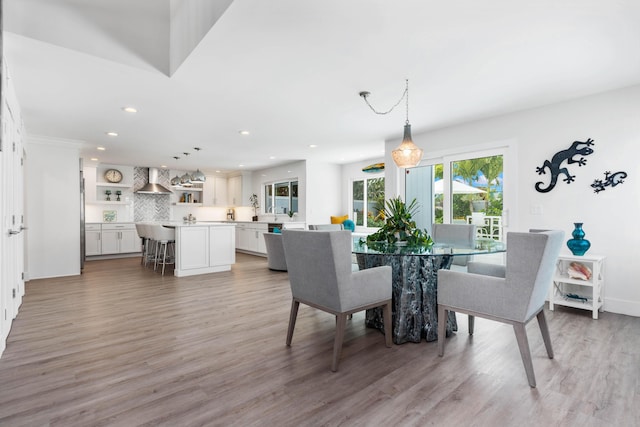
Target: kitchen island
<point>204,247</point>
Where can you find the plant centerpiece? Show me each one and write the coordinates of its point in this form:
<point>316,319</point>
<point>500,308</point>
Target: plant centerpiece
<point>399,228</point>
<point>255,205</point>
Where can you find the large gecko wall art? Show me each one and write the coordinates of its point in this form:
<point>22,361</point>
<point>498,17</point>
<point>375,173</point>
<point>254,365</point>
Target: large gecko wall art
<point>555,165</point>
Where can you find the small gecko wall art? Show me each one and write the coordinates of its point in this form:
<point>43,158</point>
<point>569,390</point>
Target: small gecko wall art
<point>610,180</point>
<point>555,165</point>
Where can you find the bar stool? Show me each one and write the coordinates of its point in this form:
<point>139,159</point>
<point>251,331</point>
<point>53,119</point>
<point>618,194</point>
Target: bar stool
<point>165,239</point>
<point>142,233</point>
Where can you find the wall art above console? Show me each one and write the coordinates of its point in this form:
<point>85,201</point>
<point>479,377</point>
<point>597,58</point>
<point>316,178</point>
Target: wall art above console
<point>559,162</point>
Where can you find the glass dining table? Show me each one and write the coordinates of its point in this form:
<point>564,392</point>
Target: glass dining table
<point>415,283</point>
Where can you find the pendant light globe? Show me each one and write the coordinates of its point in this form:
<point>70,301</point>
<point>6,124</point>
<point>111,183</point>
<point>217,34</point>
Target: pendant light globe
<point>407,154</point>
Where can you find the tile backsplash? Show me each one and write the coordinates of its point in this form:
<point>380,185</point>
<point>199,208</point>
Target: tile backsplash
<point>151,207</point>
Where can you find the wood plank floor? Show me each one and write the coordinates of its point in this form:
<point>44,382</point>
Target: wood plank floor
<point>122,346</point>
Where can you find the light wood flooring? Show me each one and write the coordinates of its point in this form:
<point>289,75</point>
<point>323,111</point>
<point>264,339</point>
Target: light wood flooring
<point>122,346</point>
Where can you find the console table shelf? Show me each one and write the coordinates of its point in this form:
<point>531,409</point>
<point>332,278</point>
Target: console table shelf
<point>578,293</point>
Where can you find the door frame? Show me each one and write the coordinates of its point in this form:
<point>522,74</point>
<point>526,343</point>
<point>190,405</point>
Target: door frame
<point>507,148</point>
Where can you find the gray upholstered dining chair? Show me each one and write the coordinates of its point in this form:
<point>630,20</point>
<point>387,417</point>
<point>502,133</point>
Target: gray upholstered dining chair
<point>513,293</point>
<point>275,251</point>
<point>458,234</point>
<point>320,275</point>
<point>326,227</point>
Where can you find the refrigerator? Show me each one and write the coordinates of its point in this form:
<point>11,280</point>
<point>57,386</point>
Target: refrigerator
<point>82,213</point>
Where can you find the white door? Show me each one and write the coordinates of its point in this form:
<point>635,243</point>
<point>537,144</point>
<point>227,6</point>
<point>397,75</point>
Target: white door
<point>12,268</point>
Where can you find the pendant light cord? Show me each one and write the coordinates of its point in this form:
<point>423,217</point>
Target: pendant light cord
<point>405,95</point>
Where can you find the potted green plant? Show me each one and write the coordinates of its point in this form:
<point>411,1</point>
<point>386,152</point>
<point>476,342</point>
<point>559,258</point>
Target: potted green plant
<point>399,228</point>
<point>255,205</point>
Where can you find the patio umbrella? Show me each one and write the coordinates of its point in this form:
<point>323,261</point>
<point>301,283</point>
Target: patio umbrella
<point>458,188</point>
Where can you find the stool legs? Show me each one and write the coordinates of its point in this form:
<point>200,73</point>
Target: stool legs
<point>165,253</point>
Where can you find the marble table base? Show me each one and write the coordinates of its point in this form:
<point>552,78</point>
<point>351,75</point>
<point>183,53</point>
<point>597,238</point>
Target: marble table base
<point>415,290</point>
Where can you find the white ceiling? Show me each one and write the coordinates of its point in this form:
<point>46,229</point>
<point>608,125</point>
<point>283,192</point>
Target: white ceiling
<point>290,71</point>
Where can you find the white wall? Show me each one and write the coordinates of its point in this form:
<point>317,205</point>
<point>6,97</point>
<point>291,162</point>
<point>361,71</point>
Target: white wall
<point>612,120</point>
<point>325,190</point>
<point>52,207</point>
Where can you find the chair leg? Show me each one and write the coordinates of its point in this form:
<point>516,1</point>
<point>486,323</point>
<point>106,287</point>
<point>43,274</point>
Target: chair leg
<point>337,344</point>
<point>155,262</point>
<point>292,320</point>
<point>544,328</point>
<point>525,353</point>
<point>386,314</point>
<point>442,328</point>
<point>164,257</point>
<point>472,322</point>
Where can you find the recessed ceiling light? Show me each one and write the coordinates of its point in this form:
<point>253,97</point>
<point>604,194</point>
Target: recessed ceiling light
<point>130,110</point>
<point>94,159</point>
<point>313,146</point>
<point>217,171</point>
<point>272,157</point>
<point>112,133</point>
<point>101,148</point>
<point>163,166</point>
<point>240,166</point>
<point>244,132</point>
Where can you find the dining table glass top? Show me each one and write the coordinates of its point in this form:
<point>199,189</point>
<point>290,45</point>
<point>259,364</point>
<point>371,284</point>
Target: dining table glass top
<point>480,246</point>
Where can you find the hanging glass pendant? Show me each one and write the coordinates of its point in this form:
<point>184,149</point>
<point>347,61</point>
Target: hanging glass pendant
<point>408,154</point>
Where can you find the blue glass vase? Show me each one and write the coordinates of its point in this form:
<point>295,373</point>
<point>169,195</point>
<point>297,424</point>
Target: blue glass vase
<point>578,245</point>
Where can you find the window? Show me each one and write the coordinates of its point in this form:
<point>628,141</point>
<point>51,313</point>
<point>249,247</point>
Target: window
<point>368,200</point>
<point>281,197</point>
<point>461,189</point>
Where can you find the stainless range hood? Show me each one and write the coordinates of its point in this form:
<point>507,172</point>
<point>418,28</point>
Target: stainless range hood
<point>152,187</point>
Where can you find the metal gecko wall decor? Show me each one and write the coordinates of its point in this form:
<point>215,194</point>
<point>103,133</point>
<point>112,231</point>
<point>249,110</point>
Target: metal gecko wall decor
<point>610,180</point>
<point>578,148</point>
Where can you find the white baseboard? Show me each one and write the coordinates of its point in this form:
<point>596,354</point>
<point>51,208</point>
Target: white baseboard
<point>629,308</point>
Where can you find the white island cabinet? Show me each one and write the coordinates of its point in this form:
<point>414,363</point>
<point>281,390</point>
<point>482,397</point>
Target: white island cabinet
<point>204,248</point>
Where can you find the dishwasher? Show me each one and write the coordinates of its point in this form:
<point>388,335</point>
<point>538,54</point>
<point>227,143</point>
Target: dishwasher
<point>272,225</point>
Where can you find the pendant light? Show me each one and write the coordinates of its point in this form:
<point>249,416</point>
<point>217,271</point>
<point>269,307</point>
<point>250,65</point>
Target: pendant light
<point>185,180</point>
<point>198,176</point>
<point>175,181</point>
<point>407,154</point>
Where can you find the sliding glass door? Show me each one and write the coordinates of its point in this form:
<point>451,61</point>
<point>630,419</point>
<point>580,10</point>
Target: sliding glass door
<point>460,189</point>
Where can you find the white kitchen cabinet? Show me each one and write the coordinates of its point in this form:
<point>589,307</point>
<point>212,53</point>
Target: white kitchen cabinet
<point>239,189</point>
<point>194,248</point>
<point>120,239</point>
<point>214,191</point>
<point>204,248</point>
<point>235,191</point>
<point>93,239</point>
<point>222,247</point>
<point>249,237</point>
